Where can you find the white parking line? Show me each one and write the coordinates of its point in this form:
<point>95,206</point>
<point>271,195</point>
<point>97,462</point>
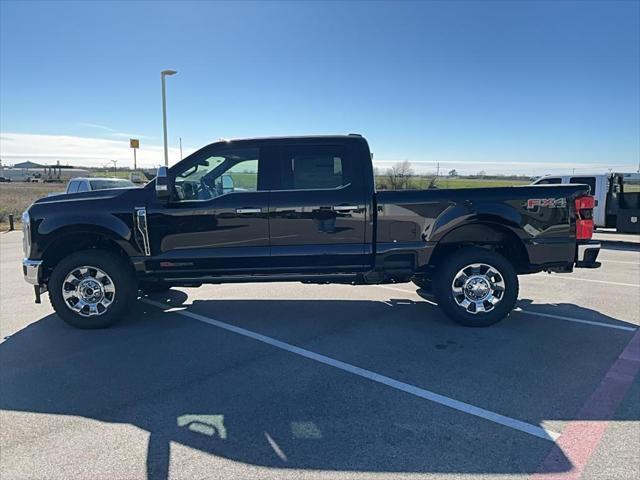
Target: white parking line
<point>509,422</point>
<point>529,312</point>
<point>576,320</point>
<point>619,261</point>
<point>587,280</point>
<point>619,254</point>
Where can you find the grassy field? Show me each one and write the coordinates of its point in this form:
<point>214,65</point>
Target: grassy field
<point>15,197</point>
<point>443,182</point>
<point>477,183</point>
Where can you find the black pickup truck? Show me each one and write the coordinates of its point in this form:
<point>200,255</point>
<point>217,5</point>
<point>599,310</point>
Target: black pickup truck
<point>299,209</point>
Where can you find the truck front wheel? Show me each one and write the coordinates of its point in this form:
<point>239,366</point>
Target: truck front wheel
<point>92,288</point>
<point>476,287</point>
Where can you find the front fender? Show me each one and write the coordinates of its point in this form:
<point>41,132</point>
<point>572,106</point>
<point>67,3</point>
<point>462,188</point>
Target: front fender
<point>53,228</point>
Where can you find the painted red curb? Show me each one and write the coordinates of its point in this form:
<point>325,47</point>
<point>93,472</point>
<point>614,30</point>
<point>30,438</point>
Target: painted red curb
<point>579,440</point>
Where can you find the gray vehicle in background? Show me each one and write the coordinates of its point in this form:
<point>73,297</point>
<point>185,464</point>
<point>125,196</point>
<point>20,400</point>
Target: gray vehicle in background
<point>88,184</point>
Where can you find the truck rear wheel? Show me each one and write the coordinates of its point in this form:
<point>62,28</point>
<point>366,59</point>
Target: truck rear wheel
<point>476,287</point>
<point>91,289</point>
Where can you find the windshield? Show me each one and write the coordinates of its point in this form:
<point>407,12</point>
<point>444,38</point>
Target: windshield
<point>110,183</point>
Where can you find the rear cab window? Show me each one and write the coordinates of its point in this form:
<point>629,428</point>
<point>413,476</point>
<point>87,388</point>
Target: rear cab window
<point>591,181</point>
<point>314,167</point>
<point>549,181</point>
<point>106,184</point>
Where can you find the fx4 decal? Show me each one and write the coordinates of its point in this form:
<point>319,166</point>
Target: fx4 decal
<point>546,202</point>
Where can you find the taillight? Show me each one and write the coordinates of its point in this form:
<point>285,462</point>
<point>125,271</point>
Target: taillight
<point>585,203</point>
<point>584,217</point>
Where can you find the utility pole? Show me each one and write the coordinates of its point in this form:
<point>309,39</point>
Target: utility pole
<point>115,168</point>
<point>163,74</point>
<point>180,148</point>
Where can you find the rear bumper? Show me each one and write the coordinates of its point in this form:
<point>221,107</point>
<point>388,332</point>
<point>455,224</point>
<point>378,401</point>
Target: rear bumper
<point>587,254</point>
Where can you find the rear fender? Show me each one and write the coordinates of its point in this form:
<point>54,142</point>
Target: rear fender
<point>458,216</point>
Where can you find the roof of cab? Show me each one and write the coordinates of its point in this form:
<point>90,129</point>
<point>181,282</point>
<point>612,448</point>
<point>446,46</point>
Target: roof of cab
<point>293,139</point>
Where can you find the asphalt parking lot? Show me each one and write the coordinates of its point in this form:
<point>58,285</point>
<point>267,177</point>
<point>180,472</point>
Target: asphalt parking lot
<point>289,381</point>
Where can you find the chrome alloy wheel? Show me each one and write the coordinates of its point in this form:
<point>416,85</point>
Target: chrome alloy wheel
<point>88,291</point>
<point>478,288</point>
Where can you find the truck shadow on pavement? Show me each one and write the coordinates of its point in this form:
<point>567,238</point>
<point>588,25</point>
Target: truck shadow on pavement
<point>184,381</point>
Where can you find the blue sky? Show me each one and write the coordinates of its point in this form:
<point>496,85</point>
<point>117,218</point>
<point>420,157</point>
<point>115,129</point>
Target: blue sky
<point>526,87</point>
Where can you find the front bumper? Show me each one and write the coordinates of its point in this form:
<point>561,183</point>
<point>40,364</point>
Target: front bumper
<point>32,271</point>
<point>587,254</point>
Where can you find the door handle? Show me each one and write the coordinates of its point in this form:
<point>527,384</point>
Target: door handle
<point>344,208</point>
<point>248,210</point>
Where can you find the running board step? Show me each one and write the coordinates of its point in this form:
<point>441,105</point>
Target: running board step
<point>334,278</point>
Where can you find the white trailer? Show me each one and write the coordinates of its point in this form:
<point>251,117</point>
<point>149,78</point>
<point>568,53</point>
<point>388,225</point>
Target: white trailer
<point>617,197</point>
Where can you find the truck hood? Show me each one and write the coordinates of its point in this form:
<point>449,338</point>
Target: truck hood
<point>65,198</point>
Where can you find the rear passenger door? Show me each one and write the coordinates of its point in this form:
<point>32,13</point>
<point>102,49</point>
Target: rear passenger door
<point>317,210</point>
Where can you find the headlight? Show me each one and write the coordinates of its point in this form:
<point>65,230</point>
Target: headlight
<point>26,233</point>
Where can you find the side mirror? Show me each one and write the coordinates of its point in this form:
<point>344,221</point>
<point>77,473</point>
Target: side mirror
<point>162,184</point>
<point>227,184</point>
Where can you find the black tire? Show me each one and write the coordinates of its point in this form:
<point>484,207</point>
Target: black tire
<point>450,302</point>
<point>119,274</point>
<point>153,287</point>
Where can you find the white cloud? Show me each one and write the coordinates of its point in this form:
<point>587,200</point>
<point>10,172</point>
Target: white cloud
<point>130,135</point>
<point>79,151</point>
<point>111,131</point>
<point>96,152</point>
<point>95,125</point>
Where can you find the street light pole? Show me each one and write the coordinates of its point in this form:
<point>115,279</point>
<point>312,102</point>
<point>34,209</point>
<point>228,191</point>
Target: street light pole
<point>163,74</point>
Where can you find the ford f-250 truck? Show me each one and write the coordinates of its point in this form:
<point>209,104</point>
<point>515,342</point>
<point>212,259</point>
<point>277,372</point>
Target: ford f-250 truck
<point>299,209</point>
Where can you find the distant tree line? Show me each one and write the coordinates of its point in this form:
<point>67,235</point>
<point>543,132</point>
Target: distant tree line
<point>402,176</point>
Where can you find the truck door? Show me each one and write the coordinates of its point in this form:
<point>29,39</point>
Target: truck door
<point>317,213</point>
<point>216,221</point>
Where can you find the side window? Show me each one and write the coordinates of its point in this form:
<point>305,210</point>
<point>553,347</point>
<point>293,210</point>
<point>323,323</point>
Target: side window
<point>314,167</point>
<point>221,173</point>
<point>591,181</point>
<point>73,186</point>
<point>82,186</point>
<point>630,184</point>
<point>549,181</point>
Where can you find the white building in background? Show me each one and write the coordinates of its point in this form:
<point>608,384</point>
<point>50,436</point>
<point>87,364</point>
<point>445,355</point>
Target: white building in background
<point>35,172</point>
